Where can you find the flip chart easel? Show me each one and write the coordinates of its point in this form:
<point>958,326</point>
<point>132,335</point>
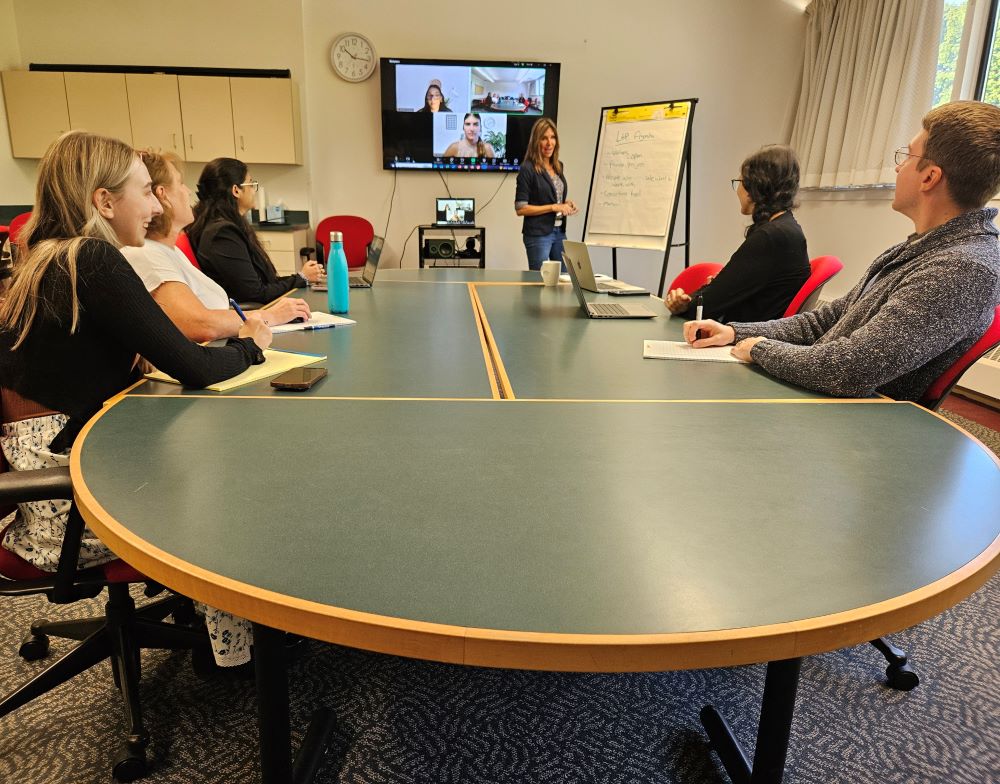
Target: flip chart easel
<point>643,152</point>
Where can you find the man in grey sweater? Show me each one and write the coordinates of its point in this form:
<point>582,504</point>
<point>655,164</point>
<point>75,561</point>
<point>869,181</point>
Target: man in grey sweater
<point>922,303</point>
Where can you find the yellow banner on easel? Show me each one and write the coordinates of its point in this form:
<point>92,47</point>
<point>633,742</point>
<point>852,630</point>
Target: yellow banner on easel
<point>656,111</point>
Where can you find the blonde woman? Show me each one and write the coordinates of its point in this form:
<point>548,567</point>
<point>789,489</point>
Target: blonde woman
<point>75,320</point>
<point>194,302</point>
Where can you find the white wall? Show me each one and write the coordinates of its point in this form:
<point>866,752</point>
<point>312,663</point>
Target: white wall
<point>659,49</point>
<point>17,177</point>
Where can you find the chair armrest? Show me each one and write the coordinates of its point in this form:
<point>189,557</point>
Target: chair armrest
<point>40,485</point>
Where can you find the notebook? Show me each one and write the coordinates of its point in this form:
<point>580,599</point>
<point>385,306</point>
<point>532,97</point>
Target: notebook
<point>678,349</point>
<point>275,362</point>
<point>317,320</point>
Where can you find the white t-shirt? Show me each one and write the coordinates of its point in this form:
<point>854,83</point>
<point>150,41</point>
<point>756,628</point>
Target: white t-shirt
<point>157,263</point>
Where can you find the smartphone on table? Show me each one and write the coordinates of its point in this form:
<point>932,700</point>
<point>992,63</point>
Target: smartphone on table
<point>298,379</point>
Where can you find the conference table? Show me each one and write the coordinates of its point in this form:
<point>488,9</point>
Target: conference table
<point>486,477</point>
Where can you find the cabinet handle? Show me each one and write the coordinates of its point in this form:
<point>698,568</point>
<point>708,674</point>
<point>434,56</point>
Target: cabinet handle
<point>191,140</point>
<point>174,137</point>
<point>242,145</point>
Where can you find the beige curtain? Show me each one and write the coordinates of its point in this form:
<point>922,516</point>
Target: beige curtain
<point>868,78</point>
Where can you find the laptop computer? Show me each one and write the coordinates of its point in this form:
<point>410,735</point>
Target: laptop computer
<point>456,212</point>
<point>367,277</point>
<point>602,310</point>
<point>585,272</point>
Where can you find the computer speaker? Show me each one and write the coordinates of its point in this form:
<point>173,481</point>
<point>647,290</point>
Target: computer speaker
<point>439,249</point>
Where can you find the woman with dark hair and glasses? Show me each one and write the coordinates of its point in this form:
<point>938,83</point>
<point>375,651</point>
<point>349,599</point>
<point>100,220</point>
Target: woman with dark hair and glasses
<point>227,248</point>
<point>768,269</point>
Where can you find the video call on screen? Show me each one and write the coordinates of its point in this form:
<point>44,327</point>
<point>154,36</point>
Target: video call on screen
<point>462,116</point>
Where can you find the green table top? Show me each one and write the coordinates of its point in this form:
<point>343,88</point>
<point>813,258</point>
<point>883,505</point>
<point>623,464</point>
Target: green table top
<point>550,349</point>
<point>550,517</point>
<point>411,340</point>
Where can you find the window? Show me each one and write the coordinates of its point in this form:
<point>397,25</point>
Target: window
<point>969,52</point>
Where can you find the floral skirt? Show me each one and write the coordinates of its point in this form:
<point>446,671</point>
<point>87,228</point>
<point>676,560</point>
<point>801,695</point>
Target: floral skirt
<point>35,531</point>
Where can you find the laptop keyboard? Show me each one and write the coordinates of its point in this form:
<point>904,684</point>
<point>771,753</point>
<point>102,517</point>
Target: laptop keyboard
<point>608,309</point>
<point>356,281</point>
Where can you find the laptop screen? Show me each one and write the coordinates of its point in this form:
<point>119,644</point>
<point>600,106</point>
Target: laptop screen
<point>572,265</point>
<point>456,212</point>
<point>374,251</point>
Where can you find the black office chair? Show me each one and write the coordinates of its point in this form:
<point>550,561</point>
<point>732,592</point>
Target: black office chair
<point>119,635</point>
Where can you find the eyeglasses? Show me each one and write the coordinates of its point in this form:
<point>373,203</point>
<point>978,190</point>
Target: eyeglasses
<point>735,183</point>
<point>904,152</point>
<point>250,184</point>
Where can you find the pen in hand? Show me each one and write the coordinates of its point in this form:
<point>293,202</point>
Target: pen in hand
<point>239,311</point>
<point>697,315</point>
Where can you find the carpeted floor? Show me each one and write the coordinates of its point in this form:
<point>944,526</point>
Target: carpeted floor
<point>403,720</point>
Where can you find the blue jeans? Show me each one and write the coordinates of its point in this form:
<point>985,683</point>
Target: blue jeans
<point>547,247</point>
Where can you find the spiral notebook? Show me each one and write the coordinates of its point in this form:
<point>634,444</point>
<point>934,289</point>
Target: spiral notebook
<point>678,349</point>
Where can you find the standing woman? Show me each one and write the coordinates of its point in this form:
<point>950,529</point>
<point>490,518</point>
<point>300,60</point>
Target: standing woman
<point>540,197</point>
<point>768,269</point>
<point>471,145</point>
<point>227,248</point>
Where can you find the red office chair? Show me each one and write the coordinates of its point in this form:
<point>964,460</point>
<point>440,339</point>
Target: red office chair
<point>695,276</point>
<point>16,224</point>
<point>358,235</point>
<point>184,245</point>
<point>823,268</point>
<point>119,635</point>
<point>899,673</point>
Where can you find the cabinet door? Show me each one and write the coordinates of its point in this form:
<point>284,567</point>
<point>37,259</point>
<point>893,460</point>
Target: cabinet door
<point>207,114</point>
<point>98,103</point>
<point>155,110</point>
<point>265,120</point>
<point>36,110</point>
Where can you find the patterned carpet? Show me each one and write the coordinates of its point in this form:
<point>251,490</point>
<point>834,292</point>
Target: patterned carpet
<point>409,721</point>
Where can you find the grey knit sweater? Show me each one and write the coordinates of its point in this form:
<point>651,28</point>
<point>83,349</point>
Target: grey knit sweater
<point>919,307</point>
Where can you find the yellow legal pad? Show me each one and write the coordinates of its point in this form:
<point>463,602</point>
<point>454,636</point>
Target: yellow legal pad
<point>275,362</point>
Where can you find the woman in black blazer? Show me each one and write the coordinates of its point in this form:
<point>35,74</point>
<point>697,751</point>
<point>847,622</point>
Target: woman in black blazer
<point>540,197</point>
<point>227,248</point>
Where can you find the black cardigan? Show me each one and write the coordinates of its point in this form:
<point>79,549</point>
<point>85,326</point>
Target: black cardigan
<point>226,257</point>
<point>535,188</point>
<point>762,277</point>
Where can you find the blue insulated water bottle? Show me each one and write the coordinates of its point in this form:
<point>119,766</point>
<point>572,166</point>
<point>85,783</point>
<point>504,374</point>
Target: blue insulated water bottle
<point>337,288</point>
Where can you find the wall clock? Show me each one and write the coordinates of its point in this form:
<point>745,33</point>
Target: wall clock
<point>353,57</point>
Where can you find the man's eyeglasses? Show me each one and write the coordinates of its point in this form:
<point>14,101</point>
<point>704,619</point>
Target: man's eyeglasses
<point>735,183</point>
<point>904,152</point>
<point>250,184</point>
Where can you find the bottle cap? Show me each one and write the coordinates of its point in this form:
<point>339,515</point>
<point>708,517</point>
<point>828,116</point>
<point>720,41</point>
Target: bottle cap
<point>336,236</point>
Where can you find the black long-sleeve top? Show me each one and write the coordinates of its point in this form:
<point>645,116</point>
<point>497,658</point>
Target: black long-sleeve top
<point>74,373</point>
<point>762,277</point>
<point>226,257</point>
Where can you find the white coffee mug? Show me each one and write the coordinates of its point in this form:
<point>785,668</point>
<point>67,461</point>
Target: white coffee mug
<point>550,272</point>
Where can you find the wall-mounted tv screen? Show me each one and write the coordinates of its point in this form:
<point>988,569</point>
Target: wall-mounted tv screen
<point>470,115</point>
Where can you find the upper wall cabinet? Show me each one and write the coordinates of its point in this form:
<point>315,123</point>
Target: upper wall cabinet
<point>36,111</point>
<point>207,114</point>
<point>98,103</point>
<point>155,112</point>
<point>197,117</point>
<point>264,120</point>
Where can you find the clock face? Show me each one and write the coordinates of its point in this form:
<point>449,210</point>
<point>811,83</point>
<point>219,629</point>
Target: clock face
<point>353,57</point>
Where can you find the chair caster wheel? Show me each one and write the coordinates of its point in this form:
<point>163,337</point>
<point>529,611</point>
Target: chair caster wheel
<point>34,647</point>
<point>129,767</point>
<point>901,677</point>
